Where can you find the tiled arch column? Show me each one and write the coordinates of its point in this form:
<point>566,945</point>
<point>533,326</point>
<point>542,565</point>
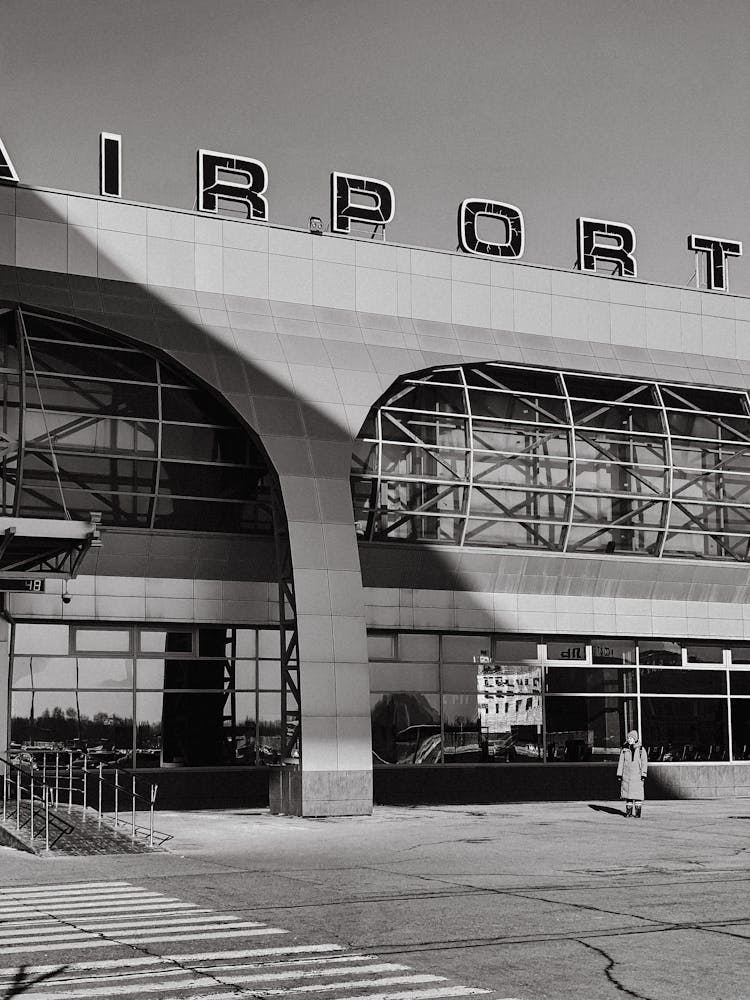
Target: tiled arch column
<point>336,772</point>
<point>311,454</point>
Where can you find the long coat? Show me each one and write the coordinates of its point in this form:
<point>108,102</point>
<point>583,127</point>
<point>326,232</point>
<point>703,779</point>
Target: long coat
<point>632,768</point>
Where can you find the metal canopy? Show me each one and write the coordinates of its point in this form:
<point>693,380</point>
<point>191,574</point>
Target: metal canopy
<point>35,546</point>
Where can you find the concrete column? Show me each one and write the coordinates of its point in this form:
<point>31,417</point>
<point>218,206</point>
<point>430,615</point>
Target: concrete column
<point>336,773</point>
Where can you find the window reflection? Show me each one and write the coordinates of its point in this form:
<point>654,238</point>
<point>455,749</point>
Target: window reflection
<point>741,728</point>
<point>479,454</point>
<point>406,728</point>
<point>190,710</point>
<point>685,729</point>
<point>588,729</point>
<point>564,680</point>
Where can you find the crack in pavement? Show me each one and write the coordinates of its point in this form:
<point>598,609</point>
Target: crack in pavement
<point>610,975</point>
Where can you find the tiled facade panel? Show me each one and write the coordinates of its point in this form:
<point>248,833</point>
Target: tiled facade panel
<point>302,334</point>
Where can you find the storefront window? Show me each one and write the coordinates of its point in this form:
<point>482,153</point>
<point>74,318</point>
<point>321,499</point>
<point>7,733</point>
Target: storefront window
<point>583,729</point>
<point>186,699</point>
<point>478,698</point>
<point>685,729</point>
<point>683,681</point>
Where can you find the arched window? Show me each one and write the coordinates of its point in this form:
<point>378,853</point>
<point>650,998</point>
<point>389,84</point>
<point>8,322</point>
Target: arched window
<point>503,456</point>
<point>92,423</point>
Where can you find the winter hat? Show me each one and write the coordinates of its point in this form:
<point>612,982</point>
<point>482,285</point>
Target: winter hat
<point>634,734</point>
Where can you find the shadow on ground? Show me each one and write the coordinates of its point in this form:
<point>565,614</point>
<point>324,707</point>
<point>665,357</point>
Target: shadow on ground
<point>23,983</point>
<point>606,809</point>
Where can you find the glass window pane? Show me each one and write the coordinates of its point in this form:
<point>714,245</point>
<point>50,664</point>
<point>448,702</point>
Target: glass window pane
<point>403,677</point>
<point>601,680</point>
<point>214,642</point>
<point>566,649</point>
<point>159,641</point>
<point>700,652</point>
<point>269,675</point>
<point>740,654</point>
<point>148,728</point>
<point>22,673</point>
<point>243,736</point>
<point>588,729</point>
<point>198,674</point>
<point>104,672</point>
<point>268,643</point>
<point>464,648</point>
<point>245,642</point>
<point>741,728</point>
<point>739,681</point>
<point>105,719</point>
<point>194,728</point>
<point>405,728</point>
<point>683,681</point>
<point>612,651</point>
<point>665,654</point>
<point>516,650</point>
<point>244,674</point>
<point>510,714</point>
<point>100,720</point>
<point>102,640</point>
<point>35,638</point>
<point>381,646</point>
<point>149,674</point>
<point>462,730</point>
<point>418,646</point>
<point>269,729</point>
<point>44,671</point>
<point>461,677</point>
<point>684,728</point>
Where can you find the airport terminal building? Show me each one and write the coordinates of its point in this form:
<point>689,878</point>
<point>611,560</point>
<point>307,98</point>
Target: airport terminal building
<point>337,521</point>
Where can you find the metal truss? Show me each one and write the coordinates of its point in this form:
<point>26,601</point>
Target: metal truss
<point>34,547</point>
<point>509,457</point>
<point>291,704</point>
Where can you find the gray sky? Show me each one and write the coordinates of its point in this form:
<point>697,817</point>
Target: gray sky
<point>633,111</point>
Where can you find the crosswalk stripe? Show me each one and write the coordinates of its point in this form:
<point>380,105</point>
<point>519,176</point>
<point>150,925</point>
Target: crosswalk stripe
<point>97,942</point>
<point>203,956</point>
<point>29,890</point>
<point>91,898</point>
<point>136,934</point>
<point>92,908</point>
<point>182,916</point>
<point>63,899</point>
<point>85,917</point>
<point>189,984</point>
<point>253,932</point>
<point>436,994</point>
<point>428,994</point>
<point>164,973</point>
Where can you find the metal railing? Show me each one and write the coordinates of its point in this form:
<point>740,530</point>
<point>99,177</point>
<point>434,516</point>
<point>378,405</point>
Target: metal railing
<point>27,806</point>
<point>63,783</point>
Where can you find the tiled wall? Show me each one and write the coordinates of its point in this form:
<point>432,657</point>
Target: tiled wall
<point>482,611</point>
<point>145,599</point>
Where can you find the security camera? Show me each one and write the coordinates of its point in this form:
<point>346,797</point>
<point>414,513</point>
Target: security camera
<point>66,598</point>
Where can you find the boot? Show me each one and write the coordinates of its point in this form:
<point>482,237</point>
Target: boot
<point>628,810</point>
<point>638,807</point>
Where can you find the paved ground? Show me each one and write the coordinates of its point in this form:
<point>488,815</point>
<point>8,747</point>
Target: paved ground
<point>531,901</point>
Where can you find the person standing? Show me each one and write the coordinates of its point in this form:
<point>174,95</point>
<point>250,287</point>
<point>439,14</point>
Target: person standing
<point>631,773</point>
